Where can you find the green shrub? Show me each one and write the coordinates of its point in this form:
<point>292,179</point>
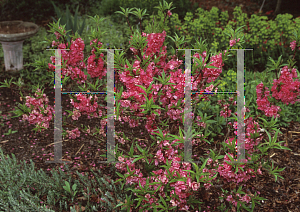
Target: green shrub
<point>109,7</point>
<point>228,83</point>
<point>264,35</point>
<point>71,22</point>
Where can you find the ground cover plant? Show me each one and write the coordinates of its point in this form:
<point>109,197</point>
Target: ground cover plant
<point>90,144</point>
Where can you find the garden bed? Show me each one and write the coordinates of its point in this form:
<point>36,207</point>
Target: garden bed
<point>86,153</point>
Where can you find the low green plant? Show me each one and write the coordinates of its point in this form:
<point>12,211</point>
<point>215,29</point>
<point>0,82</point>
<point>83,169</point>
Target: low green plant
<point>6,84</point>
<point>21,188</point>
<point>10,132</point>
<point>228,82</point>
<point>68,189</point>
<point>19,83</point>
<point>112,34</point>
<point>72,23</point>
<point>109,7</point>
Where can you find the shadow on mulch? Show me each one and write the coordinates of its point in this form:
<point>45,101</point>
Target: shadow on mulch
<point>282,195</point>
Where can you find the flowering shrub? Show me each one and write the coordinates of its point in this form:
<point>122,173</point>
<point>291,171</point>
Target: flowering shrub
<point>174,183</point>
<point>168,180</point>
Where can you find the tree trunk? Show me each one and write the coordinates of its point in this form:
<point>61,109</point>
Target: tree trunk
<point>278,5</point>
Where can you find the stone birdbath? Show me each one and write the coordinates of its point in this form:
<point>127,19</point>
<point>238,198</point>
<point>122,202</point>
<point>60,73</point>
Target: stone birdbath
<point>12,36</point>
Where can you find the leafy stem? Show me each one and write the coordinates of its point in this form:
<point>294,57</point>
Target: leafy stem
<point>126,13</point>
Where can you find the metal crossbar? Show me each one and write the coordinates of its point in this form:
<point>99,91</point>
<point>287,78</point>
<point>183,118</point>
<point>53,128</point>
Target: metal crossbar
<point>187,113</point>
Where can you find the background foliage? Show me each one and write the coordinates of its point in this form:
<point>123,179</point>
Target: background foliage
<point>38,11</point>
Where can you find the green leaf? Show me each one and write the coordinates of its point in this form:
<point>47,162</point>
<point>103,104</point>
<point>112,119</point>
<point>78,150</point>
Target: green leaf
<point>141,150</point>
<point>137,159</point>
<point>163,201</point>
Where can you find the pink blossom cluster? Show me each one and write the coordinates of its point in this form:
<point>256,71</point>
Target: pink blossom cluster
<point>76,114</point>
<point>290,89</point>
<point>225,112</point>
<point>84,106</point>
<point>101,130</point>
<point>210,88</point>
<point>264,104</point>
<point>156,40</point>
<point>95,66</point>
<point>233,42</point>
<point>225,170</point>
<point>73,59</point>
<point>181,190</point>
<point>36,115</point>
<point>74,65</point>
<point>211,73</point>
<point>293,45</point>
<point>74,133</point>
<point>252,127</point>
<point>201,124</point>
<point>245,198</point>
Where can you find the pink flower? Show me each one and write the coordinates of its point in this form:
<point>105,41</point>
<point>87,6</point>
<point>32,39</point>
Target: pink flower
<point>74,133</point>
<point>173,203</point>
<point>210,88</point>
<point>289,91</point>
<point>293,45</point>
<point>232,42</point>
<point>169,13</point>
<point>195,186</point>
<point>76,115</point>
<point>259,171</point>
<point>246,198</point>
<point>121,159</point>
<point>229,198</point>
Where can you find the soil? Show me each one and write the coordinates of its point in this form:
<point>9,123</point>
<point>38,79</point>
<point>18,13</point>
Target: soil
<point>15,28</point>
